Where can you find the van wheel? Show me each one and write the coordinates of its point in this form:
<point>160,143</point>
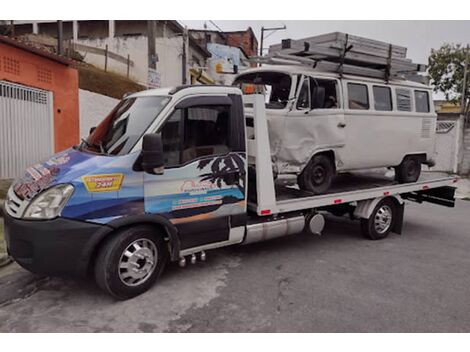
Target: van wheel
<point>130,261</point>
<point>317,175</point>
<point>409,169</point>
<point>381,221</point>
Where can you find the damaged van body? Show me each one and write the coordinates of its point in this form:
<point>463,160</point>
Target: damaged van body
<point>323,123</point>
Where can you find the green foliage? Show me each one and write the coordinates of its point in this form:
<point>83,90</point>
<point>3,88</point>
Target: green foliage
<point>446,71</point>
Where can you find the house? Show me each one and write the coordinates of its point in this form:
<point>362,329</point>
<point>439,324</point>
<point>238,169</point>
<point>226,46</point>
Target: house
<point>39,112</point>
<point>115,43</point>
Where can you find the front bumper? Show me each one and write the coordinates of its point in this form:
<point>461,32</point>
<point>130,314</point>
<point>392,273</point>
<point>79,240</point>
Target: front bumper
<point>52,247</point>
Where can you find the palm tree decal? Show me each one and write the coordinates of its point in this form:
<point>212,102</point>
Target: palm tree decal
<point>229,169</point>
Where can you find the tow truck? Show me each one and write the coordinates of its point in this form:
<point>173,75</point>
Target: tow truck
<point>171,174</point>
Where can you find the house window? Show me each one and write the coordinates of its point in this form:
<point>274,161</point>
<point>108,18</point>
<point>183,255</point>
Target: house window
<point>422,101</point>
<point>382,98</point>
<point>358,96</point>
<point>403,99</point>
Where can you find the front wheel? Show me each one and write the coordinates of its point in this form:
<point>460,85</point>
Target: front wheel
<point>129,262</point>
<point>381,221</point>
<point>318,175</point>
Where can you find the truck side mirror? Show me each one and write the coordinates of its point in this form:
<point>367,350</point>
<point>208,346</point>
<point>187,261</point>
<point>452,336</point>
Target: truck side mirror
<point>152,154</point>
<point>318,97</point>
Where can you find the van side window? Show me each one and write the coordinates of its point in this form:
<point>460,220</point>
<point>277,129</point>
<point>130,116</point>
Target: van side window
<point>358,96</point>
<point>403,99</point>
<point>422,101</point>
<point>382,98</point>
<point>317,94</point>
<point>196,132</point>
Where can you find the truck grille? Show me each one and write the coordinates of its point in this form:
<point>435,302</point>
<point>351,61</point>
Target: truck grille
<point>14,206</point>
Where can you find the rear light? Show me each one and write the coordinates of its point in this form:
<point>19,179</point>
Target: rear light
<point>265,212</point>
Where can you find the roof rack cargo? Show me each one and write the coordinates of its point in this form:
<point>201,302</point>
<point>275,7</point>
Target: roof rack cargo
<point>346,54</point>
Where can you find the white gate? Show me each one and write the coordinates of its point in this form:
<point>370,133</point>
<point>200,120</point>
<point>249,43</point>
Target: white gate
<point>447,136</point>
<point>26,128</point>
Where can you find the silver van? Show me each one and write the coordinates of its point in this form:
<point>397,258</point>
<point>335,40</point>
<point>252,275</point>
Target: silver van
<point>321,123</point>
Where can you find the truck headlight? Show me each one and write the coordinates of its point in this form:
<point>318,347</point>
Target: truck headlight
<point>49,204</point>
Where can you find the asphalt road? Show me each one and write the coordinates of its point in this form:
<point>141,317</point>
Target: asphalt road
<point>340,282</point>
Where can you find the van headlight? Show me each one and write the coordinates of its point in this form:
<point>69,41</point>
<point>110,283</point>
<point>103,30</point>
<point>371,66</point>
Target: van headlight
<point>49,204</point>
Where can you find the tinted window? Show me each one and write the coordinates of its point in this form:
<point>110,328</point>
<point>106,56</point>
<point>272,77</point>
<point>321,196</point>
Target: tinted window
<point>422,101</point>
<point>196,132</point>
<point>358,96</point>
<point>403,99</point>
<point>382,98</point>
<point>124,126</point>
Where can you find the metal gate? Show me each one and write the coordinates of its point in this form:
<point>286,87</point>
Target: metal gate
<point>26,127</point>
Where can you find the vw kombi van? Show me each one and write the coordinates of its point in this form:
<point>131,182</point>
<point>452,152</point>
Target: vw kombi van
<point>322,123</point>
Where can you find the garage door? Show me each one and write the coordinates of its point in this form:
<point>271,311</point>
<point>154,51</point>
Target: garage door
<point>26,128</point>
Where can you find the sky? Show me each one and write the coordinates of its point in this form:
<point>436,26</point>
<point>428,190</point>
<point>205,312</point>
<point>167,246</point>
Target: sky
<point>418,36</point>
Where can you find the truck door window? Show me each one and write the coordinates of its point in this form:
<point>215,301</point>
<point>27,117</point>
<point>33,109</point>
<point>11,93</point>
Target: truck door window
<point>303,101</point>
<point>422,101</point>
<point>403,99</point>
<point>195,132</point>
<point>382,98</point>
<point>358,96</point>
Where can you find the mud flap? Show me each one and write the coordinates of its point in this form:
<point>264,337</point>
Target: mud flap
<point>399,214</point>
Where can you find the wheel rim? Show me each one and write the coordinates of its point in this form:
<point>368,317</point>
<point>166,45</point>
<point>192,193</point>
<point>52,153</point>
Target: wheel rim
<point>383,219</point>
<point>318,174</point>
<point>138,262</point>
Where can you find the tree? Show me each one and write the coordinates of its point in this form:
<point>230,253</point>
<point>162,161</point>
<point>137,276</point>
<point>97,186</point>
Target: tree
<point>446,71</point>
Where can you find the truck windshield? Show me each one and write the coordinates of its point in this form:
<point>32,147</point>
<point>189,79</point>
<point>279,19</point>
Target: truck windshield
<point>122,128</point>
<point>274,85</point>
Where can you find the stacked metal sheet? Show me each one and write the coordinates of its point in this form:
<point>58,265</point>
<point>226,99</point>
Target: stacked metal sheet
<point>348,54</point>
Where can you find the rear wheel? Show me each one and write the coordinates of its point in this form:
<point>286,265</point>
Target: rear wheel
<point>317,175</point>
<point>129,263</point>
<point>381,221</point>
<point>409,169</point>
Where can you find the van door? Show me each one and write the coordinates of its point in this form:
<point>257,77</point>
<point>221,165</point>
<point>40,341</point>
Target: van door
<point>202,189</point>
<point>316,122</point>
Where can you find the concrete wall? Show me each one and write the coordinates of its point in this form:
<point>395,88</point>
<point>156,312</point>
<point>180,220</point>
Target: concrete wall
<point>169,63</point>
<point>93,109</point>
<point>465,168</point>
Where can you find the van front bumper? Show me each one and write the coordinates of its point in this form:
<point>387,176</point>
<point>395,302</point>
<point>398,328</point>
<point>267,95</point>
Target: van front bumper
<point>61,247</point>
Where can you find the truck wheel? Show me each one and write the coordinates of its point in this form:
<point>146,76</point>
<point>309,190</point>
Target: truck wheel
<point>317,175</point>
<point>409,169</point>
<point>129,262</point>
<point>381,221</point>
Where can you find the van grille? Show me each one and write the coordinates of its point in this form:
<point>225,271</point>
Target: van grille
<point>426,127</point>
<point>14,206</point>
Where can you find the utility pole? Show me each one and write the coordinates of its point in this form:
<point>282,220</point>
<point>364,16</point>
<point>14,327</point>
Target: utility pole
<point>12,28</point>
<point>151,47</point>
<point>184,56</point>
<point>60,38</point>
<point>272,29</point>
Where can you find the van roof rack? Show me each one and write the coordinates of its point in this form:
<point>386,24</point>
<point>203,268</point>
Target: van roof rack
<point>346,54</point>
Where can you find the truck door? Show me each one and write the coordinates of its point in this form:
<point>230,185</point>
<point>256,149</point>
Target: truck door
<point>203,187</point>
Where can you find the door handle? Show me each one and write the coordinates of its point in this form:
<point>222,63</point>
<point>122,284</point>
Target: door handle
<point>341,125</point>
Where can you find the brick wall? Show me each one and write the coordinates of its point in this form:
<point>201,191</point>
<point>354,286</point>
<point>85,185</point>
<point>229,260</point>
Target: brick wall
<point>246,40</point>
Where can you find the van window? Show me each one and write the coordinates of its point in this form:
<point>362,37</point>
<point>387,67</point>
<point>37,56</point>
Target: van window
<point>358,96</point>
<point>403,99</point>
<point>311,98</point>
<point>274,85</point>
<point>422,101</point>
<point>196,132</point>
<point>382,98</point>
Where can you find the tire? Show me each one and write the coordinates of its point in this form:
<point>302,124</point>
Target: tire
<point>377,227</point>
<point>124,283</point>
<point>317,175</point>
<point>409,170</point>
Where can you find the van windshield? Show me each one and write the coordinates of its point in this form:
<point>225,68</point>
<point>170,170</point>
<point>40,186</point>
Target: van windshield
<point>274,85</point>
<point>122,128</point>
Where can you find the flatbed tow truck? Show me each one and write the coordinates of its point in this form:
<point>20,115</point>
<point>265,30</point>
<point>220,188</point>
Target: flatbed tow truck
<point>173,219</point>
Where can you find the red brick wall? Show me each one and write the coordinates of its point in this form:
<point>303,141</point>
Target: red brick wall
<point>39,72</point>
<point>246,40</point>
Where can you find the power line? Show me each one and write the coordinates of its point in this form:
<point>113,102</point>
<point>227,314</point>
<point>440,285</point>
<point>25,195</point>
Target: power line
<point>215,25</point>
